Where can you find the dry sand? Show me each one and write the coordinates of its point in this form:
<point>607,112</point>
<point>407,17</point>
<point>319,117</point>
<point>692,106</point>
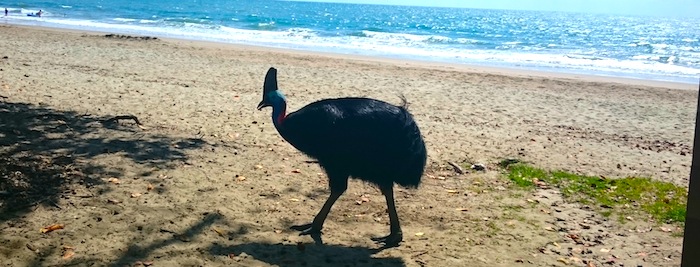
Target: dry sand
<point>207,181</point>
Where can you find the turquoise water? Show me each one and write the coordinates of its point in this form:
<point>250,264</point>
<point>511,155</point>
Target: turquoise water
<point>653,48</point>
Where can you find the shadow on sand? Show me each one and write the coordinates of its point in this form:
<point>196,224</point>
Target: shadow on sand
<point>306,255</point>
<point>43,151</point>
<point>135,252</point>
<point>139,250</point>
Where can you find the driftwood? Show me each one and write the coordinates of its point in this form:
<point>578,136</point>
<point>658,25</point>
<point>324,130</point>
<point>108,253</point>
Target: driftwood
<point>456,167</point>
<point>104,121</point>
<point>122,117</point>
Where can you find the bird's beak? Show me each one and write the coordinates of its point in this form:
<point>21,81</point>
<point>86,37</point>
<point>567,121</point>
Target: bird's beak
<point>263,104</point>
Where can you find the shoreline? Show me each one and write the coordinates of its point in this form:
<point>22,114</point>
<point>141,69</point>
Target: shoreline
<point>445,66</point>
<point>438,65</point>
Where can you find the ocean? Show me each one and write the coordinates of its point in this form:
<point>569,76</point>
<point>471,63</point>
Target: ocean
<point>643,47</point>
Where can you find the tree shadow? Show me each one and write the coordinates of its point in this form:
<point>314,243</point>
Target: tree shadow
<point>306,255</point>
<point>43,152</point>
<point>135,252</point>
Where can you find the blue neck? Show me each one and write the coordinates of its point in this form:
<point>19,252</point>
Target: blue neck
<point>279,107</point>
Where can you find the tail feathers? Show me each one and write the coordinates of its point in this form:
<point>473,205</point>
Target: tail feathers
<point>416,165</point>
<point>404,102</point>
<point>416,154</point>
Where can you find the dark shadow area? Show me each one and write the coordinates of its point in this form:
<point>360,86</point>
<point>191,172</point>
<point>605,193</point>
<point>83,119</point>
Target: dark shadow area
<point>308,255</point>
<point>44,151</point>
<point>136,252</point>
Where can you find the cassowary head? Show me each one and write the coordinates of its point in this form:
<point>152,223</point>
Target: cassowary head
<point>271,96</point>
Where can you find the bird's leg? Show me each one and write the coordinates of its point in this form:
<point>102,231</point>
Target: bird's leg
<point>338,184</point>
<point>395,236</point>
<point>316,226</point>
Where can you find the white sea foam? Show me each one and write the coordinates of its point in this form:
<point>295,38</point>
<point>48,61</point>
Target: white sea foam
<point>124,20</point>
<point>403,45</point>
<point>28,11</point>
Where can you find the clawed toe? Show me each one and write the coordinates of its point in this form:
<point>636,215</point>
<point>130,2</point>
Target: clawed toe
<point>391,240</point>
<point>306,229</point>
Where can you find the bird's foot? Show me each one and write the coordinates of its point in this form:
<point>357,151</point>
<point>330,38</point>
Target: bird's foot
<point>392,240</point>
<point>307,229</point>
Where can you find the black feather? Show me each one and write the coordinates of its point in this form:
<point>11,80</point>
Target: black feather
<point>369,139</point>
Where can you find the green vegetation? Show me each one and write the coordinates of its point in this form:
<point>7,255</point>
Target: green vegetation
<point>664,201</point>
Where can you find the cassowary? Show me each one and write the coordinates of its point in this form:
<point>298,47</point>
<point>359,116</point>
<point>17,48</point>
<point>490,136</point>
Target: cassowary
<point>367,139</point>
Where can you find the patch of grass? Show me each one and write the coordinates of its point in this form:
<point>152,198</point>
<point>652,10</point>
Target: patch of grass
<point>493,229</point>
<point>513,215</point>
<point>664,201</point>
<point>524,175</point>
<point>517,195</point>
<point>513,207</point>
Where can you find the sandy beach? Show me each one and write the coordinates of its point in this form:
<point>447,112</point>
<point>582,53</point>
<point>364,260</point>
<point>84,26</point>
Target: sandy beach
<point>206,180</point>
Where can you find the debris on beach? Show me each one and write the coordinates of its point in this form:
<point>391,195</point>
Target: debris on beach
<point>478,167</point>
<point>32,248</point>
<point>436,177</point>
<point>143,263</point>
<point>456,167</point>
<point>51,228</point>
<point>68,252</point>
<point>363,199</point>
<point>128,37</point>
<point>217,231</point>
<point>540,184</point>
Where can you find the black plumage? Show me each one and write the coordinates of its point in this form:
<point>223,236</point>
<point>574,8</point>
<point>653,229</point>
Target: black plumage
<point>362,138</point>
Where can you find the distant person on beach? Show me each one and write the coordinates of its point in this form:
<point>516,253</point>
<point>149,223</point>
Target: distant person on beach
<point>5,12</point>
<point>38,14</point>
